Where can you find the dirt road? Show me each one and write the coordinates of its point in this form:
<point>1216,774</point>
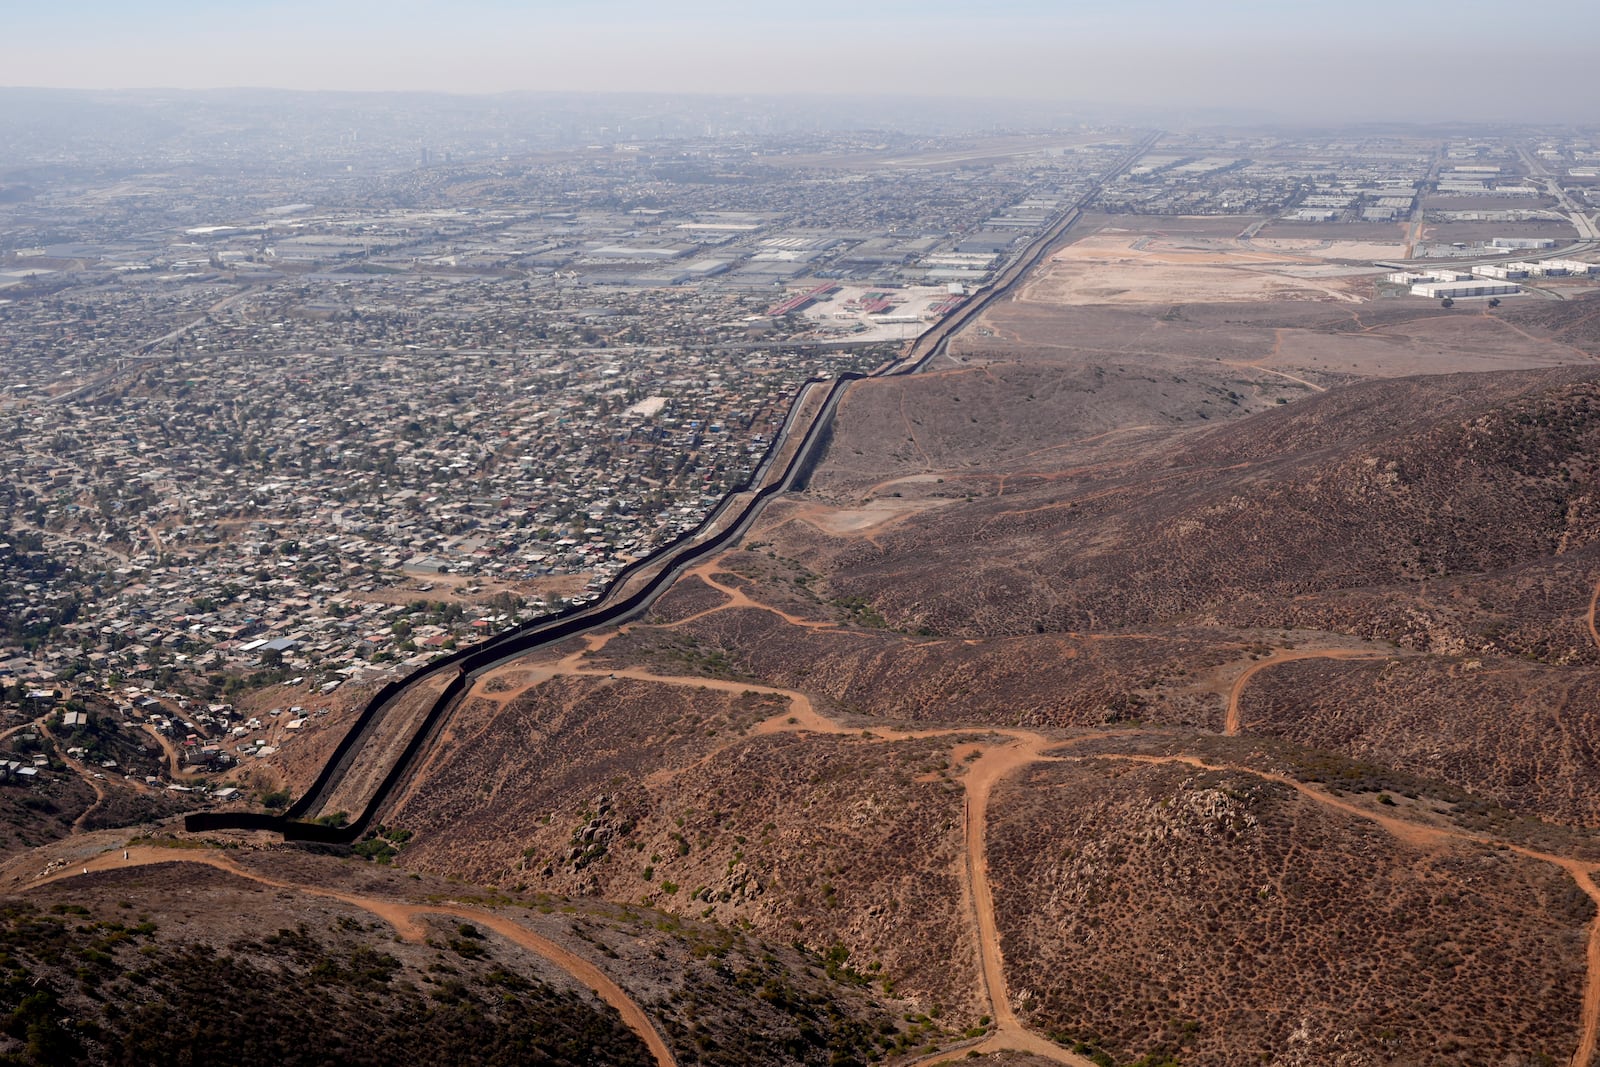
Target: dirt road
<point>174,760</point>
<point>1232,724</point>
<point>988,757</point>
<point>1421,836</point>
<point>1001,753</point>
<point>1594,601</point>
<point>995,761</point>
<point>81,771</point>
<point>737,598</point>
<point>1583,1056</point>
<point>994,764</point>
<point>404,918</point>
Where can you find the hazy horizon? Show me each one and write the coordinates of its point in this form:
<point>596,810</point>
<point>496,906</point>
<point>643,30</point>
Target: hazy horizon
<point>1357,61</point>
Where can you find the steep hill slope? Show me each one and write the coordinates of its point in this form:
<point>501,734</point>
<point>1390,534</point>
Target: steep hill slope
<point>1081,710</point>
<point>1375,484</point>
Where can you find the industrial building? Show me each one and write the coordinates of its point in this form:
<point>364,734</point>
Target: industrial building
<point>1544,268</point>
<point>1503,271</point>
<point>1562,267</point>
<point>1438,274</point>
<point>1475,287</point>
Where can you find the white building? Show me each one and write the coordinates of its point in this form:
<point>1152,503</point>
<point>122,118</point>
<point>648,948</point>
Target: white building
<point>1437,274</point>
<point>1502,270</point>
<point>1559,267</point>
<point>1476,287</point>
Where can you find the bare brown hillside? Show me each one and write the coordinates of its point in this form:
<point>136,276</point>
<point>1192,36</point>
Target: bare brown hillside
<point>1375,484</point>
<point>1274,928</point>
<point>1150,693</point>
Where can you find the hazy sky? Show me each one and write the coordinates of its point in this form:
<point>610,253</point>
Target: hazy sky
<point>1363,58</point>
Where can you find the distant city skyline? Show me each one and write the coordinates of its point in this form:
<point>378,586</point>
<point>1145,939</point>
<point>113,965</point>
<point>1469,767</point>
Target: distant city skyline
<point>1360,60</point>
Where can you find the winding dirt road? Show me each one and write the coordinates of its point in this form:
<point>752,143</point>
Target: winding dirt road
<point>988,756</point>
<point>1002,752</point>
<point>81,771</point>
<point>1583,1056</point>
<point>983,773</point>
<point>738,598</point>
<point>1594,601</point>
<point>995,762</point>
<point>1232,724</point>
<point>174,759</point>
<point>405,919</point>
<point>1423,836</point>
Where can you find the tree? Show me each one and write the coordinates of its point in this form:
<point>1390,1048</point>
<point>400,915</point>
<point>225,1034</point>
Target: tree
<point>1447,302</point>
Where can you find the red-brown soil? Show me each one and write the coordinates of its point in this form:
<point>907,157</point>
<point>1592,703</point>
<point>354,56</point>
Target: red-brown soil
<point>1228,918</point>
<point>691,993</point>
<point>1140,682</point>
<point>628,790</point>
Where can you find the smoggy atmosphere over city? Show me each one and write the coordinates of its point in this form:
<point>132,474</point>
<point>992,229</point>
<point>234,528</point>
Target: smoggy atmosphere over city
<point>692,534</point>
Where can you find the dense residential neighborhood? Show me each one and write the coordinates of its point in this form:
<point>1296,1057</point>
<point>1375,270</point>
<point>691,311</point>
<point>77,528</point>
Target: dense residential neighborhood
<point>321,423</point>
<point>373,411</point>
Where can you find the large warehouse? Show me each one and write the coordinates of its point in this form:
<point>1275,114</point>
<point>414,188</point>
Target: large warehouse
<point>1475,287</point>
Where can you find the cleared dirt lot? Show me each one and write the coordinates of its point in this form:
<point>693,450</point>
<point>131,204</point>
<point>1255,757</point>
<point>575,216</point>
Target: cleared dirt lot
<point>1316,247</point>
<point>1122,267</point>
<point>1388,234</point>
<point>1301,309</point>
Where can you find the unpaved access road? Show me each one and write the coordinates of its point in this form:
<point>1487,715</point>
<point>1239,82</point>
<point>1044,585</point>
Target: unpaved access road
<point>405,919</point>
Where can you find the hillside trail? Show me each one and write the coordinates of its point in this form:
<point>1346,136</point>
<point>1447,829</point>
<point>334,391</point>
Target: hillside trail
<point>999,518</point>
<point>998,753</point>
<point>1583,1056</point>
<point>40,726</point>
<point>1023,748</point>
<point>993,763</point>
<point>1551,342</point>
<point>1431,838</point>
<point>174,761</point>
<point>31,724</point>
<point>1313,386</point>
<point>82,772</point>
<point>738,598</point>
<point>869,522</point>
<point>1277,349</point>
<point>1418,835</point>
<point>1002,752</point>
<point>404,918</point>
<point>1594,601</point>
<point>1232,722</point>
